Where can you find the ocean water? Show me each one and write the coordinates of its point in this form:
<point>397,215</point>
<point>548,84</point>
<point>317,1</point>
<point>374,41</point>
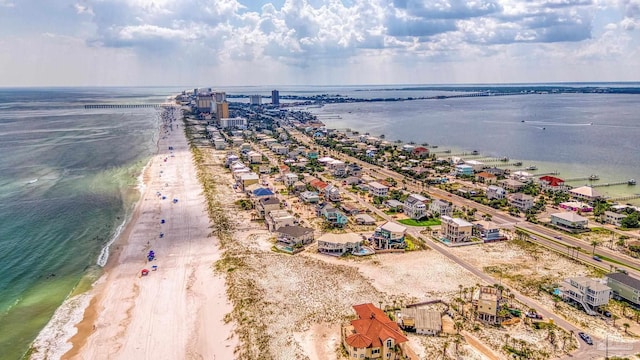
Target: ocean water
<point>68,180</point>
<point>574,134</point>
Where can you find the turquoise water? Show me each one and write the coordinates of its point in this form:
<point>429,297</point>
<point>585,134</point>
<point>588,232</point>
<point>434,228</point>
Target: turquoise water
<point>68,180</point>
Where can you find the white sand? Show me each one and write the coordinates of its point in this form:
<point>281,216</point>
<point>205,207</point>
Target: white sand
<point>177,311</point>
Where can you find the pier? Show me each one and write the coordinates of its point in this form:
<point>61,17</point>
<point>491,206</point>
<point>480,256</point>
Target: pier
<point>625,198</point>
<point>627,182</point>
<point>129,106</point>
<point>593,177</point>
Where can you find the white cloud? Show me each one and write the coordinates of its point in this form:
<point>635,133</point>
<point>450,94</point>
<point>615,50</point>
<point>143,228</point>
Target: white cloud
<point>304,37</point>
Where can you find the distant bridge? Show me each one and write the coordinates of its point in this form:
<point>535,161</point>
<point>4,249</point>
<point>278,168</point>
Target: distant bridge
<point>129,106</point>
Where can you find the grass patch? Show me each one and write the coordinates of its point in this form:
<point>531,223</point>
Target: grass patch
<point>412,222</point>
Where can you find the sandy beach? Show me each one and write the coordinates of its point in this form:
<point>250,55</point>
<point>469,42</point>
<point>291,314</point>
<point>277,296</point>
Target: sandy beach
<point>176,311</point>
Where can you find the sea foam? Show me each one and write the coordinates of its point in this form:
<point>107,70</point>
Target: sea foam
<point>53,340</point>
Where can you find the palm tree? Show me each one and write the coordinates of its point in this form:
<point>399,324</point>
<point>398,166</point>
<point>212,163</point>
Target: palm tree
<point>594,243</point>
<point>626,328</point>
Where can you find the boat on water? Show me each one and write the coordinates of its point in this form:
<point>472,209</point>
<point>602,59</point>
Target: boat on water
<point>594,177</point>
<point>32,181</point>
<point>532,167</point>
<point>474,152</point>
<point>517,163</point>
<point>504,159</point>
<point>631,182</point>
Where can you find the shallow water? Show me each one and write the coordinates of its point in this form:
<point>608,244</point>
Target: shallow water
<point>68,180</point>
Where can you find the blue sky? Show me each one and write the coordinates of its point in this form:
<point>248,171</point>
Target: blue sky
<point>323,42</point>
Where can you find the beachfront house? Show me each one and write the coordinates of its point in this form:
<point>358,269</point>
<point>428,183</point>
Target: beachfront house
<point>253,157</point>
<point>377,189</point>
<point>590,294</point>
<point>265,205</point>
<point>373,335</point>
<point>585,193</point>
<point>495,192</point>
<point>389,235</point>
<point>294,236</point>
<point>569,221</point>
<point>624,287</point>
<point>456,230</point>
<point>246,179</point>
<point>439,208</point>
<point>548,182</point>
<point>339,244</point>
<point>279,218</point>
<point>521,201</point>
<point>415,206</point>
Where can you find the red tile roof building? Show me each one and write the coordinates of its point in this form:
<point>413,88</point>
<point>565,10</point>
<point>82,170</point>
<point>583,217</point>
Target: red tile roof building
<point>373,335</point>
<point>551,181</point>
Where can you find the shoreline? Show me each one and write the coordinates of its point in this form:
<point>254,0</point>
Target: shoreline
<point>117,323</point>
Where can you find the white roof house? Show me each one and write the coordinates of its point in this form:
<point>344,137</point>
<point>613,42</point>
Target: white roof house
<point>585,192</point>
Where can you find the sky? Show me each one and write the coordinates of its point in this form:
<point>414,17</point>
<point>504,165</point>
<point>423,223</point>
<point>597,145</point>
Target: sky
<point>316,42</point>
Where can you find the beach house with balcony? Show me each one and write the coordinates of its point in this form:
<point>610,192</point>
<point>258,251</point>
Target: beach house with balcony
<point>488,305</point>
<point>495,192</point>
<point>373,335</point>
<point>279,218</point>
<point>589,293</point>
<point>614,218</point>
<point>377,189</point>
<point>624,287</point>
<point>439,208</point>
<point>521,201</point>
<point>456,230</point>
<point>332,215</point>
<point>569,221</point>
<point>415,206</point>
<point>294,236</point>
<point>389,235</point>
<point>488,231</point>
<point>265,205</point>
<point>585,193</point>
<point>464,170</point>
<point>339,244</point>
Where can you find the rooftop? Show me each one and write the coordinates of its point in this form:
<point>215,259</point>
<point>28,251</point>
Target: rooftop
<point>625,279</point>
<point>340,238</point>
<point>569,216</point>
<point>294,231</point>
<point>393,227</point>
<point>586,191</point>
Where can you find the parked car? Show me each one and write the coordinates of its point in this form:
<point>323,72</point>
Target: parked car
<point>586,338</point>
<point>596,258</point>
<point>533,315</point>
